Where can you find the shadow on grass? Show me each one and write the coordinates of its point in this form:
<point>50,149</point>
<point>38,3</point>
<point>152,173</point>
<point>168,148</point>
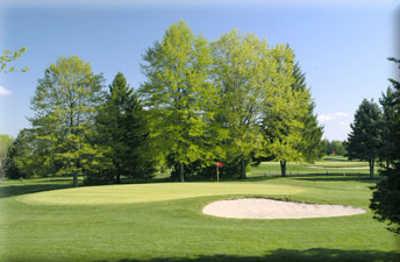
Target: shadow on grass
<point>336,177</point>
<point>315,254</point>
<point>15,190</point>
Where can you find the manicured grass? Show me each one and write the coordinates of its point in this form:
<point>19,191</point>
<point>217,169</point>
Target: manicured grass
<point>176,230</point>
<point>116,194</point>
<point>332,166</point>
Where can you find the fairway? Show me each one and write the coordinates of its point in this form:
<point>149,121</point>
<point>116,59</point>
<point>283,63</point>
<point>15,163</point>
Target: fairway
<point>119,194</point>
<point>164,221</point>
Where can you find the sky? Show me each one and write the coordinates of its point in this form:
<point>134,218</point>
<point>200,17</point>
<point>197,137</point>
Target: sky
<point>341,45</point>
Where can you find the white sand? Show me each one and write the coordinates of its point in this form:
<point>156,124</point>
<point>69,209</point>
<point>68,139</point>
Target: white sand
<point>260,208</point>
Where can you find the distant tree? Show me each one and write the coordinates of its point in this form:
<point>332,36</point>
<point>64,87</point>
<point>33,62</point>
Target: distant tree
<point>386,197</point>
<point>176,93</point>
<point>365,138</point>
<point>5,142</point>
<point>121,126</point>
<point>65,104</point>
<point>334,147</point>
<point>13,165</point>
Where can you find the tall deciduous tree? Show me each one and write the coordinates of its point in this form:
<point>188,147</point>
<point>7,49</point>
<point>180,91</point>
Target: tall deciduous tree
<point>122,128</point>
<point>285,111</point>
<point>241,67</point>
<point>386,197</point>
<point>65,105</point>
<point>365,138</point>
<point>176,93</point>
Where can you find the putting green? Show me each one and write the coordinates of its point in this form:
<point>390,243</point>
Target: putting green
<point>122,194</point>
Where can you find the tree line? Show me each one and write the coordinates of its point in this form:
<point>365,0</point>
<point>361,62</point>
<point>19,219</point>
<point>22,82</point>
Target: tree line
<point>236,100</point>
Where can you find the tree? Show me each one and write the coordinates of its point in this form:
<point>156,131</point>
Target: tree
<point>5,142</point>
<point>286,110</point>
<point>312,131</point>
<point>387,101</point>
<point>176,94</point>
<point>121,126</point>
<point>18,162</point>
<point>334,147</point>
<point>65,105</point>
<point>241,66</point>
<point>365,138</point>
<point>386,196</point>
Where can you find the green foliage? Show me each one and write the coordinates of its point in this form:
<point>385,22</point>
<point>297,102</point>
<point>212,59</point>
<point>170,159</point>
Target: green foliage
<point>65,107</point>
<point>8,57</point>
<point>365,138</point>
<point>386,196</point>
<point>5,143</point>
<point>312,131</point>
<point>240,75</point>
<point>334,147</point>
<point>290,125</point>
<point>389,125</point>
<point>15,161</point>
<point>177,93</point>
<point>122,130</point>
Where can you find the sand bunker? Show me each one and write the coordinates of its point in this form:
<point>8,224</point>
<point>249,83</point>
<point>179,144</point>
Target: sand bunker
<point>259,208</point>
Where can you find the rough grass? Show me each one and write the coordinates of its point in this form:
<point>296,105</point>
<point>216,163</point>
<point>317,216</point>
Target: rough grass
<point>176,230</point>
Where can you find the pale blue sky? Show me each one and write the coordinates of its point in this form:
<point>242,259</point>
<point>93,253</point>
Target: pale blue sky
<point>341,47</point>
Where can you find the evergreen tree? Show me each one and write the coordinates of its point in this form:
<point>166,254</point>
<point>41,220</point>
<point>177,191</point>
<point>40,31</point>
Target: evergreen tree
<point>386,197</point>
<point>387,101</point>
<point>365,138</point>
<point>312,131</point>
<point>122,129</point>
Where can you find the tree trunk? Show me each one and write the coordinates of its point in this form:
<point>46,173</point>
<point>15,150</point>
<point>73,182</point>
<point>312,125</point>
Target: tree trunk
<point>181,173</point>
<point>371,167</point>
<point>75,179</point>
<point>118,176</point>
<point>243,169</point>
<point>283,167</point>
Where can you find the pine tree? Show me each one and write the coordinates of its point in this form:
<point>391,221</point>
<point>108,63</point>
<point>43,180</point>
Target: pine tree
<point>312,131</point>
<point>386,197</point>
<point>122,129</point>
<point>365,138</point>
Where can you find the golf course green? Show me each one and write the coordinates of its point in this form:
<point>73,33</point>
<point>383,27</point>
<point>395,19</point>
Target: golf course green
<point>44,220</point>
